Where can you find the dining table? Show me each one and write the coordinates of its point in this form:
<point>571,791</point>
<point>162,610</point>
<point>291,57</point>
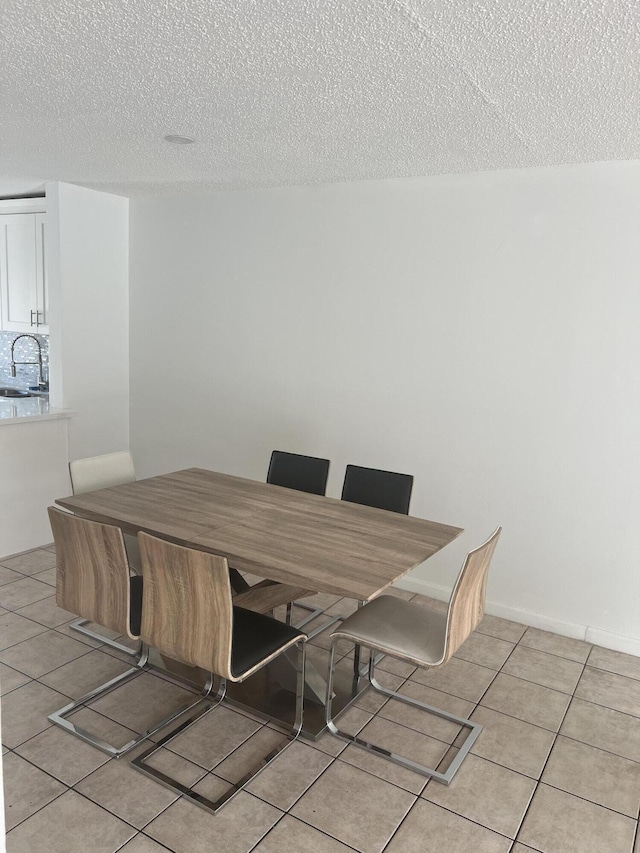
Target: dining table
<point>283,536</point>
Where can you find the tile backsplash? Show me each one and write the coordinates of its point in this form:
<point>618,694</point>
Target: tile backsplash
<point>25,350</point>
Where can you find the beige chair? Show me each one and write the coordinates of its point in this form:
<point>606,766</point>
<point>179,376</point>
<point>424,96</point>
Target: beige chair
<point>102,472</point>
<point>412,633</point>
<point>188,615</point>
<point>93,581</point>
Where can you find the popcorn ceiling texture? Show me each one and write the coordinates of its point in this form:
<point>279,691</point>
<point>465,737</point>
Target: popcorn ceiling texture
<point>284,92</point>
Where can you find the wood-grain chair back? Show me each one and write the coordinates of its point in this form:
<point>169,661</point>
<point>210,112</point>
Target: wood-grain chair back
<point>101,472</point>
<point>92,578</point>
<point>187,611</point>
<point>466,606</point>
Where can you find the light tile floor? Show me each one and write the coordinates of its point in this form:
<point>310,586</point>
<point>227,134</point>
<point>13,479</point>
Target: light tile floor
<point>556,769</point>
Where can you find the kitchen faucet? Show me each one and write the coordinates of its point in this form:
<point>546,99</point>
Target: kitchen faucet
<point>41,383</point>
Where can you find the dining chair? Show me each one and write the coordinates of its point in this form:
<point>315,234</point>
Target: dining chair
<point>376,488</point>
<point>93,581</point>
<point>188,615</point>
<point>102,472</point>
<point>370,487</point>
<point>295,471</point>
<point>422,637</point>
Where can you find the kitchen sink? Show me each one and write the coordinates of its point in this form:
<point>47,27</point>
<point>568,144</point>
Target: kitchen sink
<point>13,392</point>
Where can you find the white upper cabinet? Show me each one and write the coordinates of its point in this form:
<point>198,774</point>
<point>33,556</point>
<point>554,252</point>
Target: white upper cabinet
<point>24,301</point>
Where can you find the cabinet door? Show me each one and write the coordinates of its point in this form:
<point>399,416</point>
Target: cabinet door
<point>18,272</point>
<point>42,282</point>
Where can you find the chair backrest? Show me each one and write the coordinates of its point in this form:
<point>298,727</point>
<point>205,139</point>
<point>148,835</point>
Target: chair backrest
<point>380,489</point>
<point>92,577</point>
<point>294,471</point>
<point>187,613</point>
<point>466,605</point>
<point>101,472</point>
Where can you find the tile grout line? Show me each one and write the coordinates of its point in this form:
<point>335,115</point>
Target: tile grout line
<point>544,767</point>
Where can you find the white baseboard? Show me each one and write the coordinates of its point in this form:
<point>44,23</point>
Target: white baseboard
<point>598,636</point>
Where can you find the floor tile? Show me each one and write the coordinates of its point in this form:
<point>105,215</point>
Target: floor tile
<point>15,628</point>
<point>486,793</point>
<point>422,721</point>
<point>351,721</point>
<point>594,775</point>
<point>557,821</point>
<point>39,655</point>
<point>20,593</point>
<point>11,678</point>
<point>343,607</point>
<point>46,612</point>
<point>70,824</point>
<point>25,710</point>
<point>431,603</point>
<point>68,631</point>
<point>292,836</point>
<point>102,727</point>
<point>512,743</point>
<point>395,666</point>
<point>401,741</point>
<point>125,792</point>
<point>289,775</point>
<point>485,650</point>
<point>521,848</point>
<point>84,674</point>
<point>458,677</point>
<point>617,662</point>
<point>545,669</point>
<point>431,829</point>
<point>554,644</point>
<point>26,789</point>
<point>62,755</point>
<point>250,754</point>
<point>602,727</point>
<point>242,822</point>
<point>142,702</point>
<point>31,563</point>
<point>214,736</point>
<point>612,691</point>
<point>503,629</point>
<point>185,772</point>
<point>354,807</point>
<point>48,576</point>
<point>527,701</point>
<point>142,844</point>
<point>8,576</point>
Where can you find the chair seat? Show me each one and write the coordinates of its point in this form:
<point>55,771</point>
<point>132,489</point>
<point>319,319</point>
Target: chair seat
<point>135,610</point>
<point>256,637</point>
<point>399,628</point>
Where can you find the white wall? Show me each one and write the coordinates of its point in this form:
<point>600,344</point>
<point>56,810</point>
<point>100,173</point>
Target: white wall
<point>87,262</point>
<point>479,331</point>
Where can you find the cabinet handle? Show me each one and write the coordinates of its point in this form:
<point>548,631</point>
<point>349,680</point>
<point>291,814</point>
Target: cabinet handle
<point>32,313</point>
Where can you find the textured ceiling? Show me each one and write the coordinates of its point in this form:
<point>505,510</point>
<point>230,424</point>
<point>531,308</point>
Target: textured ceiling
<point>304,91</point>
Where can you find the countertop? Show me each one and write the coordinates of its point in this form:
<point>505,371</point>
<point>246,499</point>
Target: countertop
<point>28,409</point>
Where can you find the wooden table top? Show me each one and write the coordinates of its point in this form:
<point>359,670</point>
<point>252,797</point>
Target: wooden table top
<point>283,535</point>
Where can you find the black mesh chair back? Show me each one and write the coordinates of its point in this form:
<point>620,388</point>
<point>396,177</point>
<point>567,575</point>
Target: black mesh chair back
<point>380,489</point>
<point>294,471</point>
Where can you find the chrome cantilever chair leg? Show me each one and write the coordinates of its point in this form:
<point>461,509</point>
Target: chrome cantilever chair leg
<point>59,717</point>
<point>447,776</point>
<point>139,761</point>
<point>79,625</point>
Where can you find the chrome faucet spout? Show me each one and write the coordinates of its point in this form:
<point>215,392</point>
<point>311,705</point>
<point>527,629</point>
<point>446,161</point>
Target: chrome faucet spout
<point>41,382</point>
